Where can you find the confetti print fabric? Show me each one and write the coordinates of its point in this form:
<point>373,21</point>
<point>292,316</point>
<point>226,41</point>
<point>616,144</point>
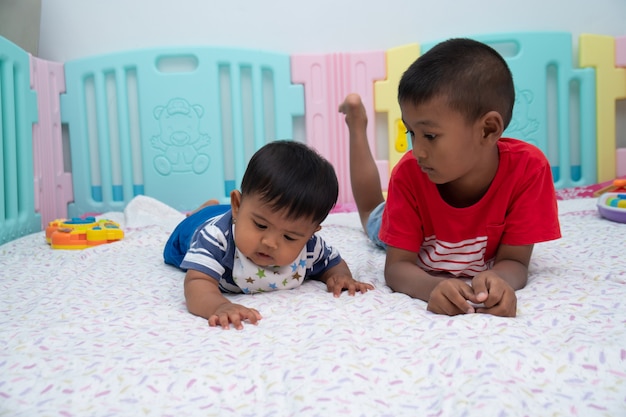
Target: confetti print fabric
<point>105,332</point>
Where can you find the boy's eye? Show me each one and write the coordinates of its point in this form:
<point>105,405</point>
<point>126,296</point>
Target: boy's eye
<point>259,225</point>
<point>430,136</point>
<point>289,238</point>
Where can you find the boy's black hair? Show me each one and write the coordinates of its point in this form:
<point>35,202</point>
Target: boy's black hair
<point>472,76</point>
<point>290,175</point>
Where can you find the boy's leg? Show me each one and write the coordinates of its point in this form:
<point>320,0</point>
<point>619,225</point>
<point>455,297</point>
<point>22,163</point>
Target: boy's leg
<point>364,178</point>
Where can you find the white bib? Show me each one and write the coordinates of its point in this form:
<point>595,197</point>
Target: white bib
<point>252,278</point>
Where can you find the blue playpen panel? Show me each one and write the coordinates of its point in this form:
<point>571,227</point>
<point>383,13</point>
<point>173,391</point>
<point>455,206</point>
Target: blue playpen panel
<point>18,112</point>
<point>555,103</point>
<point>147,121</point>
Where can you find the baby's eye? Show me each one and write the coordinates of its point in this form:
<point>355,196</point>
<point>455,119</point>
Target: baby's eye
<point>289,238</point>
<point>430,136</point>
<point>260,226</point>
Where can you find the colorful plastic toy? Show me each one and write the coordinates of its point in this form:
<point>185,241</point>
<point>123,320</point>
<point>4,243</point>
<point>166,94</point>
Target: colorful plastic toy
<point>618,185</point>
<point>612,206</point>
<point>78,233</point>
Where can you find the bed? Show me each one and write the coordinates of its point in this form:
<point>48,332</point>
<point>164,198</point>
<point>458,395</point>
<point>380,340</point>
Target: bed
<point>104,331</point>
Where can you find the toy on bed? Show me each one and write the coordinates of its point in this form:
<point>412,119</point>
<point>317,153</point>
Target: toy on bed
<point>615,186</point>
<point>77,233</point>
<point>612,206</point>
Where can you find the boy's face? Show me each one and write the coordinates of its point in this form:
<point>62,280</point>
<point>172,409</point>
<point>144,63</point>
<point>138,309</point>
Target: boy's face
<point>265,236</point>
<point>448,148</point>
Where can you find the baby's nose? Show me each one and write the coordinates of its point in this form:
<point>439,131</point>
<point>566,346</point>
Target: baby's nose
<point>269,241</point>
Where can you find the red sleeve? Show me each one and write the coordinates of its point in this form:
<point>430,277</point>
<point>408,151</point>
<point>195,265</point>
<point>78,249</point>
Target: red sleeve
<point>401,225</point>
<point>533,212</point>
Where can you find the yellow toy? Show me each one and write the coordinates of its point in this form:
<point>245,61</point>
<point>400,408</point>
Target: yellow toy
<point>77,233</point>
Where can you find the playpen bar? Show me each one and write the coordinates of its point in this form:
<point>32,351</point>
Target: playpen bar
<point>285,103</point>
<point>257,106</point>
<point>9,140</point>
<point>3,170</point>
<point>586,130</point>
<point>104,140</point>
<point>270,107</point>
<point>24,150</point>
<point>563,132</point>
<point>239,154</point>
<point>125,144</point>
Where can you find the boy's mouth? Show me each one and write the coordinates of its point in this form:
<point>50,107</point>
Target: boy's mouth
<point>426,169</point>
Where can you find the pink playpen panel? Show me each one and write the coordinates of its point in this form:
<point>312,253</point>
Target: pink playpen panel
<point>327,79</point>
<point>53,186</point>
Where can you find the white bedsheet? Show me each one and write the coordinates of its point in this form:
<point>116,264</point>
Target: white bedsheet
<point>105,332</point>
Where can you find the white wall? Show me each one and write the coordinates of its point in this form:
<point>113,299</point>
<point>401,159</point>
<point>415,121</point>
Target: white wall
<point>76,28</point>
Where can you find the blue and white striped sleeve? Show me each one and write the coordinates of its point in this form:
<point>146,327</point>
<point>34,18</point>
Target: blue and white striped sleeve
<point>206,254</point>
<point>320,256</point>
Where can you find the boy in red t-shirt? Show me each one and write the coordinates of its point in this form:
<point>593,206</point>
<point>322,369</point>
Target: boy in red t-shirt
<point>465,206</point>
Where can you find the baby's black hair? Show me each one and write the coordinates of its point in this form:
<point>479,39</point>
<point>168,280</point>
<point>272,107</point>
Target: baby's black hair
<point>290,175</point>
<point>470,75</point>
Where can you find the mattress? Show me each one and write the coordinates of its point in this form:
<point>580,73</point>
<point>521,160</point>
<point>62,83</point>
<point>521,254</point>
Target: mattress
<point>105,332</point>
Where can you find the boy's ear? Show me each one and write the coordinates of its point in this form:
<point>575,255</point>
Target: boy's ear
<point>492,126</point>
<point>235,202</point>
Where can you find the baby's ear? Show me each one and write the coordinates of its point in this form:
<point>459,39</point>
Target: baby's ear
<point>235,202</point>
<point>492,125</point>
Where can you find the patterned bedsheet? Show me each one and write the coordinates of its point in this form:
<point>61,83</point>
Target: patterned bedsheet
<point>105,332</point>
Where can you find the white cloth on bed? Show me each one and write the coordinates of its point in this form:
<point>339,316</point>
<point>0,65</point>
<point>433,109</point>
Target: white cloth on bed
<point>105,332</point>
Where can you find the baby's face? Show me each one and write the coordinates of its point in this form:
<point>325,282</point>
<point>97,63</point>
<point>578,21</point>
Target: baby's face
<point>268,237</point>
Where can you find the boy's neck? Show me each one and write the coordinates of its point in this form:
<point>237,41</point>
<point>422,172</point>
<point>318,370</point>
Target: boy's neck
<point>466,192</point>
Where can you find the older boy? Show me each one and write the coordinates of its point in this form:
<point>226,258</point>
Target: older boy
<point>464,206</point>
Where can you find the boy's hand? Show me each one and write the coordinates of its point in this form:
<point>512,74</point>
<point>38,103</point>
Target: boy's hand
<point>451,297</point>
<point>337,283</point>
<point>228,313</point>
<point>495,293</point>
<point>454,296</point>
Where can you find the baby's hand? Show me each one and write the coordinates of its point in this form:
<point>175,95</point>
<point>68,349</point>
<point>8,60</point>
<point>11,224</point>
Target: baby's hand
<point>236,314</point>
<point>495,293</point>
<point>451,297</point>
<point>337,283</point>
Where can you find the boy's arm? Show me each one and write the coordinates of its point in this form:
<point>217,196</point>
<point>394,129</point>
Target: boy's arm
<point>444,295</point>
<point>338,278</point>
<point>403,275</point>
<point>496,287</point>
<point>511,264</point>
<point>204,299</point>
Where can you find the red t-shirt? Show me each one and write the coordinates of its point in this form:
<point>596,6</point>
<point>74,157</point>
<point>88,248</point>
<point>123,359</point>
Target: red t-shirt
<point>519,208</point>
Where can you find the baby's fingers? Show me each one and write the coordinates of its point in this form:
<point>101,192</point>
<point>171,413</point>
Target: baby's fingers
<point>364,287</point>
<point>221,320</point>
<point>234,317</point>
<point>339,286</point>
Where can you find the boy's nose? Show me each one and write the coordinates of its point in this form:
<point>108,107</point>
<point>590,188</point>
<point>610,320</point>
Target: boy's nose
<point>419,151</point>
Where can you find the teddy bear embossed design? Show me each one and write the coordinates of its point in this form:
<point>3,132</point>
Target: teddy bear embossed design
<point>180,141</point>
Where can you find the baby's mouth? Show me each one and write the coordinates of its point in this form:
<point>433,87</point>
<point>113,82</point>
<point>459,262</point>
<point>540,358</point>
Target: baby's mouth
<point>264,257</point>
